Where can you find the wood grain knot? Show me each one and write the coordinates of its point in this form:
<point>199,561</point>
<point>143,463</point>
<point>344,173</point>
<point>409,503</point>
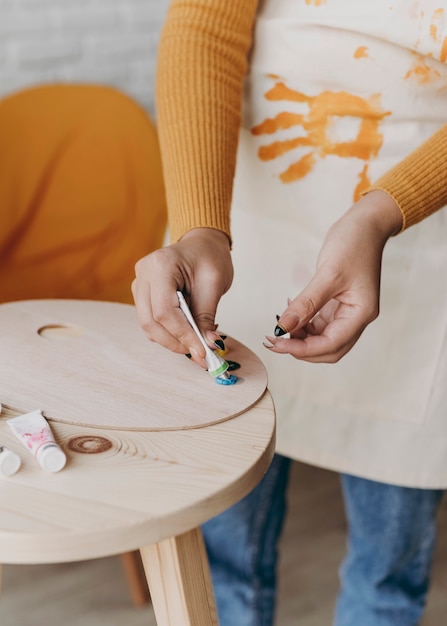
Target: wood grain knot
<point>89,444</point>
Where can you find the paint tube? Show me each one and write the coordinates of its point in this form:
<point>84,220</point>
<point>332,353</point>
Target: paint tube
<point>33,430</point>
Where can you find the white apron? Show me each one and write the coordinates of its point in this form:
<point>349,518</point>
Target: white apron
<point>338,92</point>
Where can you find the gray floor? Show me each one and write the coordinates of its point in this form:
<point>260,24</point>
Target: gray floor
<point>94,593</point>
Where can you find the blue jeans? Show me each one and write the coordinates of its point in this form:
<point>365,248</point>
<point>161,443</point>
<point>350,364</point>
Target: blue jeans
<point>384,576</point>
<point>242,551</point>
<point>391,538</point>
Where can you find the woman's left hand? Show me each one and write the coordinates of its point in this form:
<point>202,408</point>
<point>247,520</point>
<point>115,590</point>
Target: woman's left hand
<point>327,318</point>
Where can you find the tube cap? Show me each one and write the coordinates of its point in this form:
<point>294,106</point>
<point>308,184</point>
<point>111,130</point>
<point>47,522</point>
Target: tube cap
<point>9,462</point>
<point>51,457</point>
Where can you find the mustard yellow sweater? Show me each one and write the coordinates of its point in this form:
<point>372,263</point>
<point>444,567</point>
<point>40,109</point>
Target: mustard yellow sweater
<point>202,61</point>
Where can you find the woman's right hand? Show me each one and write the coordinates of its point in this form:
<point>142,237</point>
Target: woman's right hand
<point>200,266</point>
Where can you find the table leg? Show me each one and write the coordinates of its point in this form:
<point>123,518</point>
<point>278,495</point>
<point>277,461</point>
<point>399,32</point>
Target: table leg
<point>136,580</point>
<point>179,580</point>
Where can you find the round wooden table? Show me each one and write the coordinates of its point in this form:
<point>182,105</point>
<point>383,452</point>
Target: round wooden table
<point>124,490</point>
<point>154,447</point>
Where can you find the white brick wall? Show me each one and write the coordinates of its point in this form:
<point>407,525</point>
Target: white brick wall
<point>109,42</point>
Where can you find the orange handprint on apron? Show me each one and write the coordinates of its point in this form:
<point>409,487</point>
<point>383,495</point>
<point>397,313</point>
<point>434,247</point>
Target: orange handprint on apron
<point>323,112</point>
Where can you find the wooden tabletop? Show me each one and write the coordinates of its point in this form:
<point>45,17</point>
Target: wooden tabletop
<point>124,489</point>
<point>89,363</point>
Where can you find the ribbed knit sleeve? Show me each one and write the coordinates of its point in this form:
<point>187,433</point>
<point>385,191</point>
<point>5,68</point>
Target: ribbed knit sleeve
<point>419,183</point>
<point>202,61</point>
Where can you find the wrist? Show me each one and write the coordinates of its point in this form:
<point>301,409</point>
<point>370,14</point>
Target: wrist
<point>381,212</point>
<point>219,237</point>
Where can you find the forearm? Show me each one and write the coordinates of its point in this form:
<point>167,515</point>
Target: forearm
<point>202,61</point>
<point>418,184</point>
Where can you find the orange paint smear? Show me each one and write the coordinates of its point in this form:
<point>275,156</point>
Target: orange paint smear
<point>423,73</point>
<point>361,52</point>
<point>438,14</point>
<point>281,92</point>
<point>316,124</point>
<point>280,122</point>
<point>299,169</point>
<point>316,3</point>
<point>443,56</point>
<point>436,28</point>
<point>276,149</point>
<point>437,20</point>
<point>363,184</point>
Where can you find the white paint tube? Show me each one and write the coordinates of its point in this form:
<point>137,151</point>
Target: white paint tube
<point>34,432</point>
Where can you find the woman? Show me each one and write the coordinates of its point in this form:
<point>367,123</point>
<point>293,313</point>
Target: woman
<point>337,93</point>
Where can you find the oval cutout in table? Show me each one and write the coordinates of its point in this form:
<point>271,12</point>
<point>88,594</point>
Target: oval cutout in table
<point>89,363</point>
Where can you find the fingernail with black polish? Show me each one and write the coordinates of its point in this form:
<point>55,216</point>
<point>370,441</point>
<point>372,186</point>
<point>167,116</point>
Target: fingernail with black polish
<point>233,365</point>
<point>188,356</point>
<point>277,318</point>
<point>223,337</point>
<point>280,330</point>
<point>220,344</point>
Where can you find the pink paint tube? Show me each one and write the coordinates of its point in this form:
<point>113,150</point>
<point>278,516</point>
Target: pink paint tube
<point>33,430</point>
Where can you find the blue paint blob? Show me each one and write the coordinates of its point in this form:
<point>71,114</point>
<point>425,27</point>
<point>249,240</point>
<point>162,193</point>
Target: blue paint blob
<point>232,380</point>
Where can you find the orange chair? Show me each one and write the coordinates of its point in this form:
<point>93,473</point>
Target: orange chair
<point>81,193</point>
<point>81,200</point>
